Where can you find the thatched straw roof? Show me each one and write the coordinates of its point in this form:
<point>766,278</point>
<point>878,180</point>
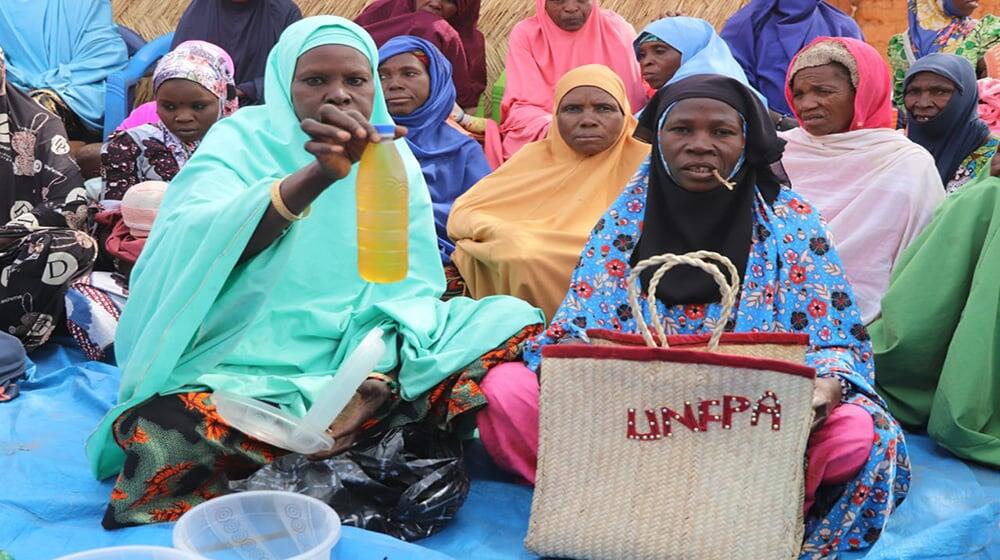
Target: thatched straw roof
<point>152,18</point>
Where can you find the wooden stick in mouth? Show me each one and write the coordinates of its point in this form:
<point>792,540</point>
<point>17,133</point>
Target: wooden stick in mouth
<point>728,184</point>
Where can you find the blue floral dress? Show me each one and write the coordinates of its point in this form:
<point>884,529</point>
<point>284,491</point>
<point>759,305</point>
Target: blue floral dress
<point>794,282</point>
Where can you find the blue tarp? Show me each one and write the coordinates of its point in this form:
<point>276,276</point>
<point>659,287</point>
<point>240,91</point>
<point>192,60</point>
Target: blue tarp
<point>50,506</point>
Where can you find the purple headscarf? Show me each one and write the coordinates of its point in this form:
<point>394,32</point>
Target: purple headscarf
<point>246,30</point>
<point>765,35</point>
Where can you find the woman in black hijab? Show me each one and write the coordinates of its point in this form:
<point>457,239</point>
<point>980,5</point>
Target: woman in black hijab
<point>246,29</point>
<point>713,182</point>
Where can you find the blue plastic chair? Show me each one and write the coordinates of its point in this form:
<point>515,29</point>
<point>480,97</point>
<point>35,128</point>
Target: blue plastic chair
<point>116,99</point>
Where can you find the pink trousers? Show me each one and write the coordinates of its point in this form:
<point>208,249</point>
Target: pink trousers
<point>508,428</point>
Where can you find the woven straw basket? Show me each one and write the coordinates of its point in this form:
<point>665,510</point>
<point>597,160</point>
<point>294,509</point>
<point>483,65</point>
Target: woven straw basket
<point>681,447</point>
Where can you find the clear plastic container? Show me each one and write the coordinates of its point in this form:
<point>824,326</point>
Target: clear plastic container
<point>259,526</point>
<point>306,435</point>
<point>132,553</point>
<point>269,424</point>
<point>383,211</point>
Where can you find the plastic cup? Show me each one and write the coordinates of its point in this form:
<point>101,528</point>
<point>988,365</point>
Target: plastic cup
<point>132,553</point>
<point>265,525</point>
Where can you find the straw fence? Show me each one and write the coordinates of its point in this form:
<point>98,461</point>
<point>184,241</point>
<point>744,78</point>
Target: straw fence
<point>152,18</point>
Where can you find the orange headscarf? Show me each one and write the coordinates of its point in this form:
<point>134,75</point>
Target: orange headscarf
<point>521,229</point>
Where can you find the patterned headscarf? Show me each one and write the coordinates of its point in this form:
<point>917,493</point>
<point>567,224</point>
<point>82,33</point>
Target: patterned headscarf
<point>205,64</point>
<point>933,25</point>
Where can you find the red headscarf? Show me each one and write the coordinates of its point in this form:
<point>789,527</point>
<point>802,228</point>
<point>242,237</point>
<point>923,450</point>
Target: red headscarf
<point>465,48</point>
<point>869,72</point>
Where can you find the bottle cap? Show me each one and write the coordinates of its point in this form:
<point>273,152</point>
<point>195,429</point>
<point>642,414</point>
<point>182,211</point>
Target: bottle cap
<point>386,130</point>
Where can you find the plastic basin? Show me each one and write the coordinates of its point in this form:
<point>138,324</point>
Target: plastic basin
<point>132,553</point>
<point>265,525</point>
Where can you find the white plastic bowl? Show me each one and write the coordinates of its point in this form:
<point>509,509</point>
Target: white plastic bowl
<point>132,553</point>
<point>264,525</point>
<point>270,424</point>
<point>306,435</point>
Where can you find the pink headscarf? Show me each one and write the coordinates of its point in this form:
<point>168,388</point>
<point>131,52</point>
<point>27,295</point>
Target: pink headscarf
<point>540,53</point>
<point>869,72</point>
<point>989,103</point>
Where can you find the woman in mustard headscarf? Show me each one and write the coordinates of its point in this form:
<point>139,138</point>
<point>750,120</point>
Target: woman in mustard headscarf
<point>519,231</point>
<point>240,289</point>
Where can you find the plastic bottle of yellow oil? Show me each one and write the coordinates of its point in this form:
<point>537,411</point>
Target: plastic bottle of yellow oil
<point>383,202</point>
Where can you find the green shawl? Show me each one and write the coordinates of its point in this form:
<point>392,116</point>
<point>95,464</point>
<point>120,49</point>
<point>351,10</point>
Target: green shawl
<point>278,326</point>
<point>937,345</point>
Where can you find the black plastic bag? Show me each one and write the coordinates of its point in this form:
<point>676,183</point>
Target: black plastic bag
<point>408,482</point>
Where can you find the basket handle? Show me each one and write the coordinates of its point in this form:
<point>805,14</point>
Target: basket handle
<point>698,259</point>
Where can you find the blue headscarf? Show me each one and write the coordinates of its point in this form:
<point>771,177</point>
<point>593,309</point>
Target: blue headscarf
<point>957,130</point>
<point>766,34</point>
<point>68,46</point>
<point>702,50</point>
<point>451,161</point>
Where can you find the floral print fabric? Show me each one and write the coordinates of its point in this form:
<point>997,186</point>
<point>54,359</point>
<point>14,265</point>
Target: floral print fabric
<point>794,282</point>
<point>974,166</point>
<point>145,153</point>
<point>971,45</point>
<point>180,453</point>
<point>205,64</point>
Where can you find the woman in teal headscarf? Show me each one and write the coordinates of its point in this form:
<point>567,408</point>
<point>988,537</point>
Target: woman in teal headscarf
<point>237,290</point>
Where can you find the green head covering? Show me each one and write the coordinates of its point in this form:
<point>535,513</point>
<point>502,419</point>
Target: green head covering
<point>278,326</point>
<point>299,38</point>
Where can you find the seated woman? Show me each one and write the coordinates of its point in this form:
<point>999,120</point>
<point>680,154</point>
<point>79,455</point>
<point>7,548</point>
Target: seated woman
<point>61,52</point>
<point>238,291</point>
<point>672,48</point>
<point>94,303</point>
<point>940,26</point>
<point>246,30</point>
<point>706,128</point>
<point>942,107</point>
<point>519,231</point>
<point>449,25</point>
<point>874,188</point>
<point>193,87</point>
<point>44,246</point>
<point>147,112</point>
<point>416,80</point>
<point>562,35</point>
<point>937,342</point>
<point>764,35</point>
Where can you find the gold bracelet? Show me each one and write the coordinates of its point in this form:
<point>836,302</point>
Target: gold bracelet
<point>279,205</point>
<point>392,383</point>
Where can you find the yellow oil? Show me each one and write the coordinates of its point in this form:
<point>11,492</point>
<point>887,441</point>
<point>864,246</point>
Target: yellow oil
<point>383,217</point>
